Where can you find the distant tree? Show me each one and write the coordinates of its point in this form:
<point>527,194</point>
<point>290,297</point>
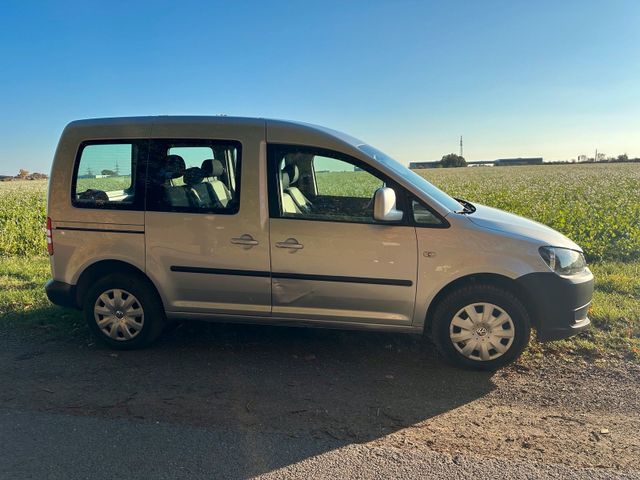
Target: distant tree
<point>453,160</point>
<point>109,173</point>
<point>23,173</point>
<point>623,158</point>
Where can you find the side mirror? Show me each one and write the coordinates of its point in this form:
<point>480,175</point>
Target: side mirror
<point>384,205</point>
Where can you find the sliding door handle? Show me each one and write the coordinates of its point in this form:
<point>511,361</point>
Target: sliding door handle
<point>291,243</point>
<point>245,239</point>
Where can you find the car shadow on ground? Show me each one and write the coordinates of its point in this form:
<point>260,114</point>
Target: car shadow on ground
<point>322,388</point>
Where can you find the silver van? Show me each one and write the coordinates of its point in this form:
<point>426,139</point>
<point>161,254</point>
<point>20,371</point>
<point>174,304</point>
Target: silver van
<point>158,219</point>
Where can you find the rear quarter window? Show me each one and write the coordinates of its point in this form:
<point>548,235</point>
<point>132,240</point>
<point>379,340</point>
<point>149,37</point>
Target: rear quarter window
<point>105,175</point>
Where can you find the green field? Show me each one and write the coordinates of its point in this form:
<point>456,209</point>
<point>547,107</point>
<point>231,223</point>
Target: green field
<point>598,206</point>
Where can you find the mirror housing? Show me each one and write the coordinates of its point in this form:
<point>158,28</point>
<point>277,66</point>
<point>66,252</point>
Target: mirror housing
<point>384,206</point>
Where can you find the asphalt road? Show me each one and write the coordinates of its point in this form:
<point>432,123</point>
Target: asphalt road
<point>55,446</point>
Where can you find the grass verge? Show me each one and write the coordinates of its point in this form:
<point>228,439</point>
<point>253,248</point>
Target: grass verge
<point>23,303</point>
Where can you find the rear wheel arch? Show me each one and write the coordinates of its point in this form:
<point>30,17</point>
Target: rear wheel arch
<point>101,269</point>
<point>492,279</point>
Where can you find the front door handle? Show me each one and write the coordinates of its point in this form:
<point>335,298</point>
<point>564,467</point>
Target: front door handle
<point>291,243</point>
<point>245,239</point>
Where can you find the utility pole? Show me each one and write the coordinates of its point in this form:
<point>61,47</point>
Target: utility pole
<point>461,145</point>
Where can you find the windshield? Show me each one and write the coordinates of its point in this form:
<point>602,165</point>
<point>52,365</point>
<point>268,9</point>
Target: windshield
<point>411,176</point>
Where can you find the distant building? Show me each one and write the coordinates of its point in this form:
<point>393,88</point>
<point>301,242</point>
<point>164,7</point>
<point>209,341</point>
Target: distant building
<point>90,175</point>
<point>500,162</point>
<point>419,165</point>
<point>503,162</point>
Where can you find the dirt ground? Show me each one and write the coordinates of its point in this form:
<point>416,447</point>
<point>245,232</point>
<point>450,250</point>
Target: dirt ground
<point>353,387</point>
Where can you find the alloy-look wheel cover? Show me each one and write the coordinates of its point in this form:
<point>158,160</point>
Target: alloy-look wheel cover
<point>118,314</point>
<point>482,331</point>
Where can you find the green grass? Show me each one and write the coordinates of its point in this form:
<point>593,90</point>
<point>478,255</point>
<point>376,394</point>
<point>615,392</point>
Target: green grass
<point>23,303</point>
<point>598,206</point>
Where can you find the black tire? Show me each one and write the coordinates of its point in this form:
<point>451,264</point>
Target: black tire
<point>154,318</point>
<point>452,303</point>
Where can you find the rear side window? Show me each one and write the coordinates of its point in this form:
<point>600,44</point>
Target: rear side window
<point>105,175</point>
<point>194,176</point>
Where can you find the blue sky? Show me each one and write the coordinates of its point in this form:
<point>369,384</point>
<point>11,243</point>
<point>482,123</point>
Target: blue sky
<point>516,78</point>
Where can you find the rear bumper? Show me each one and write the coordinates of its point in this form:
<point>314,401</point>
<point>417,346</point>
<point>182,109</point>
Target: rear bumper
<point>61,293</point>
<point>560,304</point>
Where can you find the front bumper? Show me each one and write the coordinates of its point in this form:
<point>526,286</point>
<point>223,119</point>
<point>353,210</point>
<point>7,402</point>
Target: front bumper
<point>560,305</point>
<point>61,293</point>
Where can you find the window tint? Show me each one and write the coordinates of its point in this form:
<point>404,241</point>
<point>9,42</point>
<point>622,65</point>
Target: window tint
<point>319,185</point>
<point>105,175</point>
<point>200,176</point>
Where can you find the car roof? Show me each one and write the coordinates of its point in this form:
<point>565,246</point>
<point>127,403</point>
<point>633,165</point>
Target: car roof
<point>168,120</point>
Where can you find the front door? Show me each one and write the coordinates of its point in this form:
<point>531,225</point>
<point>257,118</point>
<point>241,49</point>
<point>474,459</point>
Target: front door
<point>207,244</point>
<point>330,260</point>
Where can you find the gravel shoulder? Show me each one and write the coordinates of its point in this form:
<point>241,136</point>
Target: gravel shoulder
<point>335,390</point>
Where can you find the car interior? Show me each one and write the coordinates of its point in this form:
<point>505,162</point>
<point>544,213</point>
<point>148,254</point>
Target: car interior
<point>194,187</point>
<point>302,197</point>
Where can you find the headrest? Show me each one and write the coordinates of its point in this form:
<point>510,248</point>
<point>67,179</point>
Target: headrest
<point>174,167</point>
<point>289,175</point>
<point>295,158</point>
<point>212,168</point>
<point>193,176</point>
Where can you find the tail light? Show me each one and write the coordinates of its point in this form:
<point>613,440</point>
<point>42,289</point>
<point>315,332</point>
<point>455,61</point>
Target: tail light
<point>49,237</point>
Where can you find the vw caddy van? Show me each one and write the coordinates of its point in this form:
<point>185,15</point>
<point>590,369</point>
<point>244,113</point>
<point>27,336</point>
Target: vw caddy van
<point>159,219</point>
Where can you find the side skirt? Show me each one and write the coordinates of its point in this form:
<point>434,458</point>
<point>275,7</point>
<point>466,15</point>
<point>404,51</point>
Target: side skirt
<point>288,322</point>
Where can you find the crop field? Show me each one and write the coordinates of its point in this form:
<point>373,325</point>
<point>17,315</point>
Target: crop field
<point>105,184</point>
<point>598,206</point>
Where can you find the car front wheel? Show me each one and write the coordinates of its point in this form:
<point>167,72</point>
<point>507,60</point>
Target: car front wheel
<point>481,327</point>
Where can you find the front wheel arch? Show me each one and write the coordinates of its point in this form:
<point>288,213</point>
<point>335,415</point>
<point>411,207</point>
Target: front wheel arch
<point>493,279</point>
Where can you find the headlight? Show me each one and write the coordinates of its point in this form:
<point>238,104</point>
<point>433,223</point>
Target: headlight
<point>563,261</point>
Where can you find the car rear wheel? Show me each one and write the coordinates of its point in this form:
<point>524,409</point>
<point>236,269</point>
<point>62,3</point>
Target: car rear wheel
<point>481,327</point>
<point>124,311</point>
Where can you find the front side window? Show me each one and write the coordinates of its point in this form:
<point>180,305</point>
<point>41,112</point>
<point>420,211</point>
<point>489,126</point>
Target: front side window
<point>315,184</point>
<point>196,176</point>
<point>105,175</point>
